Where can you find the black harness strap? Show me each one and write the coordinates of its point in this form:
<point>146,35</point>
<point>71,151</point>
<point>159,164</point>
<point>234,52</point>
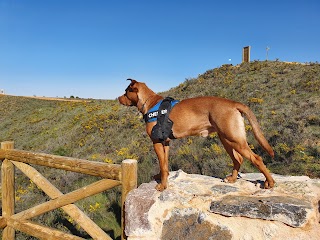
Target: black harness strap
<point>163,129</point>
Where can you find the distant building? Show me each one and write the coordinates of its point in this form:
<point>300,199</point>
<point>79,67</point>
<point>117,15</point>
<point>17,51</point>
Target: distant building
<point>2,91</point>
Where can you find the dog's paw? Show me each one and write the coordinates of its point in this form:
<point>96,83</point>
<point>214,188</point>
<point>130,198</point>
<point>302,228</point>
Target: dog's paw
<point>230,179</point>
<point>160,187</point>
<point>268,185</point>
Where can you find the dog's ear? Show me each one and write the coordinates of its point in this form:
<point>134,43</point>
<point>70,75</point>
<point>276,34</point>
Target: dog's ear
<point>132,81</point>
<point>132,88</point>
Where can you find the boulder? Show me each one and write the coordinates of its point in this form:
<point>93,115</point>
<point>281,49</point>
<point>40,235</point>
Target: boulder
<point>202,207</point>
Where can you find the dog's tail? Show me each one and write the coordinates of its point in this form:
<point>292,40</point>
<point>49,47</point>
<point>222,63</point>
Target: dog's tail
<point>256,128</point>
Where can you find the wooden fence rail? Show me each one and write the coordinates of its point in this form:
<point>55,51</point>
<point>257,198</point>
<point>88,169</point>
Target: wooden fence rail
<point>113,175</point>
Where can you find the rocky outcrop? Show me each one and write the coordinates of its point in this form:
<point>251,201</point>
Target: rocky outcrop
<point>201,207</point>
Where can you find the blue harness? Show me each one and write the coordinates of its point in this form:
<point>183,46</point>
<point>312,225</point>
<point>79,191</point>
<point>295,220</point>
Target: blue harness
<point>152,114</point>
<point>160,113</point>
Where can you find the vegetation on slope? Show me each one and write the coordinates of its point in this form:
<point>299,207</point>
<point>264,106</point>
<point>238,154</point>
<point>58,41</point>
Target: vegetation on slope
<point>284,97</point>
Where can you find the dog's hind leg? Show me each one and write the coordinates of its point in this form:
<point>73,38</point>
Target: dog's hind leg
<point>236,158</point>
<point>256,160</point>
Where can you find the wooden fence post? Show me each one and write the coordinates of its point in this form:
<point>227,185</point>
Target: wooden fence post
<point>129,177</point>
<point>8,192</point>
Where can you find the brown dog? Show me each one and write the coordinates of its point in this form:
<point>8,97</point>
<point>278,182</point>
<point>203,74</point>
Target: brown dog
<point>202,116</point>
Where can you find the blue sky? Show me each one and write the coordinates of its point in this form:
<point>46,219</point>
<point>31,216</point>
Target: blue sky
<point>89,48</point>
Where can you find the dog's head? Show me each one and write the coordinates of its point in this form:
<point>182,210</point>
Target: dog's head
<point>137,94</point>
<point>130,97</point>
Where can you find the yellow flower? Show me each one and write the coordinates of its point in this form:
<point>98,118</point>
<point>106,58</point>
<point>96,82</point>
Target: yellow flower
<point>189,141</point>
<point>213,135</point>
<point>216,148</point>
<point>256,100</point>
<point>95,207</point>
<point>248,127</point>
<point>94,156</point>
<point>293,91</point>
<point>251,146</point>
<point>107,160</point>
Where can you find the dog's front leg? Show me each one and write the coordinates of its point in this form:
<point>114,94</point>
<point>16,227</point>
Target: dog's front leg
<point>162,152</point>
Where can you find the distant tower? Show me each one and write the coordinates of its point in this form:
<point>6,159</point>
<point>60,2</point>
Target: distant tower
<point>267,50</point>
<point>246,54</point>
<point>1,91</point>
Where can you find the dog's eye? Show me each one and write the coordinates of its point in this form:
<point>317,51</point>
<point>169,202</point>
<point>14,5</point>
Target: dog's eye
<point>129,89</point>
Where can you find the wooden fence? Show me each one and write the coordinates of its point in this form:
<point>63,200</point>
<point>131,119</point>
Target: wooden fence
<point>113,175</point>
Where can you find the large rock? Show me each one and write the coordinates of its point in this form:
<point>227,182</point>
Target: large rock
<point>291,211</point>
<point>201,207</point>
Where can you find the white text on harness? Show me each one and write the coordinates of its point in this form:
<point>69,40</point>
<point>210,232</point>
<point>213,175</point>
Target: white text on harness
<point>155,114</point>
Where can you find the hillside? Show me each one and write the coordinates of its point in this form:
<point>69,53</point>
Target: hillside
<point>285,98</point>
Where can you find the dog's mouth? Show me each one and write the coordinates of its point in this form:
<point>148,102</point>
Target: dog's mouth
<point>125,101</point>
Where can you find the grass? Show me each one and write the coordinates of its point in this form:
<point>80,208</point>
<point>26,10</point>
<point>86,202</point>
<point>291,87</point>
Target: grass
<point>284,97</point>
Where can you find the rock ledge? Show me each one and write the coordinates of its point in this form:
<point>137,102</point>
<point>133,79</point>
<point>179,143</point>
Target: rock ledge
<point>202,207</point>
